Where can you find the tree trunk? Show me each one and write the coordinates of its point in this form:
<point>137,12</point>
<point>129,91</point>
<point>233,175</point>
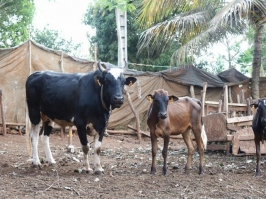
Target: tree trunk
<point>256,63</point>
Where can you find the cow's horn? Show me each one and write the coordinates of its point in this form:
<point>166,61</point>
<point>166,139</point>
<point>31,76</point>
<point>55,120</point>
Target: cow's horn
<point>101,68</point>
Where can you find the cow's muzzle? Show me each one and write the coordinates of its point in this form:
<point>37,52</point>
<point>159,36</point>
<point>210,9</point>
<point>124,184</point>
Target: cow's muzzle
<point>162,115</point>
<point>117,101</point>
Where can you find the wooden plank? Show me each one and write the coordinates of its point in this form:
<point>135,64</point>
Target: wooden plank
<point>232,127</point>
<point>239,119</point>
<point>230,104</point>
<point>215,127</point>
<point>216,147</point>
<point>237,109</point>
<point>249,123</point>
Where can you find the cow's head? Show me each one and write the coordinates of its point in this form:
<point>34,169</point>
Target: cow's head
<point>112,83</point>
<point>261,110</point>
<point>160,101</point>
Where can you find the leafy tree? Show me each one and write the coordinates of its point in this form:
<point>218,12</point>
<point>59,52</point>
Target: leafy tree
<point>52,39</point>
<point>106,39</point>
<point>15,18</point>
<point>201,23</point>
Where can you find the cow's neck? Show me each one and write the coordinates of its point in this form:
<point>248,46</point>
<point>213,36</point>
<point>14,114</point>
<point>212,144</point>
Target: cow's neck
<point>103,103</point>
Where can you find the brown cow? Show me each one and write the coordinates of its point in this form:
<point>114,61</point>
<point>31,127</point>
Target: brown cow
<point>179,117</point>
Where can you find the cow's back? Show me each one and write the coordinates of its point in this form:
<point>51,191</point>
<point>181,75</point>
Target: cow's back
<point>57,95</point>
<point>184,113</point>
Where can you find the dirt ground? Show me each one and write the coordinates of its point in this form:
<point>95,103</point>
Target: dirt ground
<point>127,164</point>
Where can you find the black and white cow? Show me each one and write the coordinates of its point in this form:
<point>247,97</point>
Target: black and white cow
<point>259,128</point>
<point>83,100</point>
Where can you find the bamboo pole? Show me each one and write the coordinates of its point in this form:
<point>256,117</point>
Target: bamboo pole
<point>2,114</point>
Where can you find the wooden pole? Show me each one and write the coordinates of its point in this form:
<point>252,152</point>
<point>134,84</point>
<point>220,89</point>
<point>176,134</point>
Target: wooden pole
<point>192,93</point>
<point>2,114</point>
<point>226,100</point>
<point>136,115</point>
<point>203,97</point>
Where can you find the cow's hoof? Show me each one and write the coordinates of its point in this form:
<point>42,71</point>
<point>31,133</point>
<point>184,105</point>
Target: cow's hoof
<point>36,166</point>
<point>98,172</point>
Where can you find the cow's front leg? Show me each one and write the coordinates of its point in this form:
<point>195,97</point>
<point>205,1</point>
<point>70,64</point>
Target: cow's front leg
<point>165,151</point>
<point>86,165</point>
<point>34,134</point>
<point>81,127</point>
<point>154,147</point>
<point>48,126</point>
<point>97,150</point>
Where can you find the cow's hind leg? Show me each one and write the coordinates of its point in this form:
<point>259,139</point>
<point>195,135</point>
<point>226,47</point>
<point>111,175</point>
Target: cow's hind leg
<point>258,154</point>
<point>97,150</point>
<point>190,147</point>
<point>34,134</point>
<point>47,128</point>
<point>197,133</point>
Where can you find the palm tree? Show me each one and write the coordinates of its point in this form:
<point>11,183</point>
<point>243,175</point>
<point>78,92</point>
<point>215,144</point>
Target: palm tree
<point>197,24</point>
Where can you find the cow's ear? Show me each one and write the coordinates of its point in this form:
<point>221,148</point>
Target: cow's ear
<point>130,81</point>
<point>98,80</point>
<point>255,105</point>
<point>150,98</point>
<point>172,98</point>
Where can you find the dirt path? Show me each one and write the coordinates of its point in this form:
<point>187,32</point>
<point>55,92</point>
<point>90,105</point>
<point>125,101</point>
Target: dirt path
<point>127,165</point>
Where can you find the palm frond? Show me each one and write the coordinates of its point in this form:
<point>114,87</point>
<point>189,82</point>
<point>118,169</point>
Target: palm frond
<point>205,39</point>
<point>154,11</point>
<point>189,24</point>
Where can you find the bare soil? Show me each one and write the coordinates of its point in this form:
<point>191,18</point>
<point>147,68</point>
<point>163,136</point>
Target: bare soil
<point>127,164</point>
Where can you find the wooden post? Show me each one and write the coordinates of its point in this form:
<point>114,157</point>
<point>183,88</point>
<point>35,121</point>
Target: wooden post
<point>230,94</point>
<point>2,114</point>
<point>203,97</point>
<point>62,62</point>
<point>136,115</point>
<point>226,100</point>
<point>220,106</point>
<point>192,93</point>
<point>248,107</point>
<point>242,99</point>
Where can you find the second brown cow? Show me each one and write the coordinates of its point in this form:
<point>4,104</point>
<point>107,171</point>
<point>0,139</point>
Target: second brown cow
<point>180,117</point>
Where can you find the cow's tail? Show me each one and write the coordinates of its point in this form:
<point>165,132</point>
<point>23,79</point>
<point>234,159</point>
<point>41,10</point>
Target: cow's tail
<point>28,138</point>
<point>204,137</point>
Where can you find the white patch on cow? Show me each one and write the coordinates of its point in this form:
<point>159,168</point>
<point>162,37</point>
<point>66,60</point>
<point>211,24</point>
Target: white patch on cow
<point>97,146</point>
<point>34,133</point>
<point>116,72</point>
<point>48,154</point>
<point>90,130</point>
<point>72,119</point>
<point>51,123</point>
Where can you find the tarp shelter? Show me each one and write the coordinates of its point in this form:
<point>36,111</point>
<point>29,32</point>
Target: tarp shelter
<point>18,62</point>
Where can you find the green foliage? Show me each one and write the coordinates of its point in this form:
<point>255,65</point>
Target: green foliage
<point>106,40</point>
<point>123,5</point>
<point>15,18</point>
<point>52,39</point>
